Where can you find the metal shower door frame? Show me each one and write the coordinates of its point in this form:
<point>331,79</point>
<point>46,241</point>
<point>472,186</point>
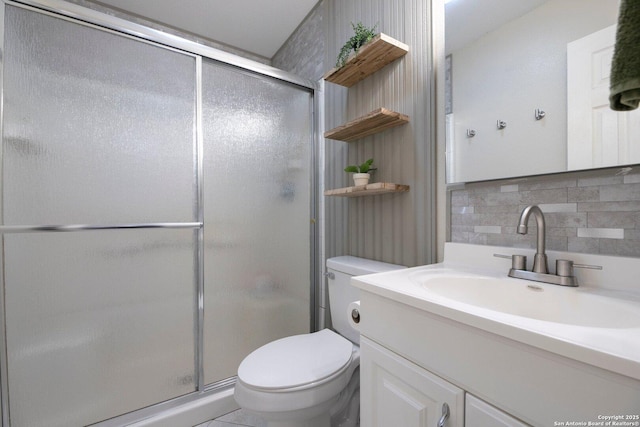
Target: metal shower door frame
<point>98,20</point>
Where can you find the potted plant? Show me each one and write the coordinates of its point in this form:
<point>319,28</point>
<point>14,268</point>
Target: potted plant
<point>361,37</point>
<point>361,173</point>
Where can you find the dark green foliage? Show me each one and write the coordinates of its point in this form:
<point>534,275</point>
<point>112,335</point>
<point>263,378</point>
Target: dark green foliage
<point>363,168</point>
<point>361,37</point>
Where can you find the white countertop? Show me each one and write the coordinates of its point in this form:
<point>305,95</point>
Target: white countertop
<point>614,345</point>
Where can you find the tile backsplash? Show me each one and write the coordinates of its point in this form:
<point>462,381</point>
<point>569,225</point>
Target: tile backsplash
<point>589,212</point>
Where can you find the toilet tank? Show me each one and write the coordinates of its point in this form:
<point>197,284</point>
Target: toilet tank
<point>341,269</point>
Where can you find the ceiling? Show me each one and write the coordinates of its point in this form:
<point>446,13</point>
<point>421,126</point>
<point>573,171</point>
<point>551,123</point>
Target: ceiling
<point>257,26</point>
<point>261,27</point>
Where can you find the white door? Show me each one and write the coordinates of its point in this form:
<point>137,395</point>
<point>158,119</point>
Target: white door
<point>596,135</point>
<point>396,392</point>
<point>480,414</point>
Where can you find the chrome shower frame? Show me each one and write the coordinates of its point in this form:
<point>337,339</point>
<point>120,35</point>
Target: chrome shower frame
<point>92,18</point>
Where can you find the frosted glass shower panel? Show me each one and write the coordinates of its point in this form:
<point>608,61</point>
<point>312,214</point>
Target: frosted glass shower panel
<point>99,323</point>
<point>98,127</point>
<point>257,198</point>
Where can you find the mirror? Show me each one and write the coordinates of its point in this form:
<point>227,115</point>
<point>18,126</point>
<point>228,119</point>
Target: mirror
<point>521,77</point>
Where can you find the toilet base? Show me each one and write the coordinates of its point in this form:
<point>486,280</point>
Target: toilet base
<point>341,411</point>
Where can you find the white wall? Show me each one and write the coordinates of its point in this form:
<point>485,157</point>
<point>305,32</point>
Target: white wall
<point>508,73</point>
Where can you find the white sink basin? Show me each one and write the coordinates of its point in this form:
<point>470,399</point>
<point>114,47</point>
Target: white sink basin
<point>550,303</point>
<point>597,322</point>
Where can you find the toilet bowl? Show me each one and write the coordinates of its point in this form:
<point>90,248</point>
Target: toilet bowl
<point>298,380</point>
<point>311,380</point>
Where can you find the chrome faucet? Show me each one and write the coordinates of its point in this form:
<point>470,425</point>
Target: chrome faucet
<point>564,268</point>
<point>540,259</point>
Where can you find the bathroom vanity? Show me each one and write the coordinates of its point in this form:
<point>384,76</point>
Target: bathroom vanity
<point>462,344</point>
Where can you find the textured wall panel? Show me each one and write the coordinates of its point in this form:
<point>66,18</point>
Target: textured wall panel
<point>393,228</point>
<point>588,212</point>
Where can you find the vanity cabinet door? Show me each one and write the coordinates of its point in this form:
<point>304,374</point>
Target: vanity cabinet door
<point>396,392</point>
<point>480,414</point>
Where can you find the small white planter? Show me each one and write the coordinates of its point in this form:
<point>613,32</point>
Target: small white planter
<point>361,178</point>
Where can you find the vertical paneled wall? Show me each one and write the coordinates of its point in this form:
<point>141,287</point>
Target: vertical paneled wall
<point>396,227</point>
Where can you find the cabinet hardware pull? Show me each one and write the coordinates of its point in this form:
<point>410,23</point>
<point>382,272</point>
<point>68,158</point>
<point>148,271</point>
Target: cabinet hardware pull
<point>445,415</point>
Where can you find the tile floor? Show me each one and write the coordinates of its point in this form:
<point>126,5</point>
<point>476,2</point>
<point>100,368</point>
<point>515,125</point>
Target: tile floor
<point>234,419</point>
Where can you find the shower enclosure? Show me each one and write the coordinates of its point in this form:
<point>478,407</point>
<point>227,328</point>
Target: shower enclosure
<point>157,217</point>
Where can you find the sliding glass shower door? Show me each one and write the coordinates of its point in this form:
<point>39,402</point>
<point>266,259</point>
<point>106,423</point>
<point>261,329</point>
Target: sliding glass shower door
<point>156,220</point>
<point>257,199</point>
<point>98,137</point>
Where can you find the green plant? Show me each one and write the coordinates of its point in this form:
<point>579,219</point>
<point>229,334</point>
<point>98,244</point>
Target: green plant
<point>363,168</point>
<point>362,36</point>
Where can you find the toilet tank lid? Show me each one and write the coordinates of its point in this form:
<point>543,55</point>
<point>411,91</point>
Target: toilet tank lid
<point>355,266</point>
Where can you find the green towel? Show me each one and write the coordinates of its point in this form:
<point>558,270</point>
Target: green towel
<point>624,92</point>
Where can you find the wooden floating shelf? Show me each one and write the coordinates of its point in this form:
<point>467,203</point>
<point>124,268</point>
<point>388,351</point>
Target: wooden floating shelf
<point>368,190</point>
<point>371,57</point>
<point>374,122</point>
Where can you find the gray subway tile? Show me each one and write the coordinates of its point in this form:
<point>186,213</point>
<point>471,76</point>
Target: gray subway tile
<point>460,236</point>
<point>509,188</point>
<point>566,219</point>
<point>461,228</point>
<point>613,219</point>
<point>478,238</point>
<point>630,248</point>
<point>514,209</point>
<point>584,245</point>
<point>562,231</point>
<point>554,195</point>
<point>609,206</point>
<point>558,207</point>
<point>464,219</point>
<point>619,193</point>
<point>600,180</point>
<point>583,194</point>
<point>492,199</point>
<point>462,209</point>
<point>632,234</point>
<point>544,184</point>
<point>496,219</point>
<point>483,188</point>
<point>601,233</point>
<point>632,178</point>
<point>512,240</point>
<point>604,206</point>
<point>491,229</point>
<point>459,198</point>
<point>557,243</point>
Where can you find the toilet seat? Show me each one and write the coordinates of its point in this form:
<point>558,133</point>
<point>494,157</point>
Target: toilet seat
<point>296,362</point>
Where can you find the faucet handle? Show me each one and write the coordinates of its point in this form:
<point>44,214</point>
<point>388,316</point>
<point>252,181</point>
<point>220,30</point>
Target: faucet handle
<point>564,267</point>
<point>590,267</point>
<point>519,262</point>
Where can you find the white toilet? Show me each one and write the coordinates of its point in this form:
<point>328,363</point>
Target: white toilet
<point>311,380</point>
